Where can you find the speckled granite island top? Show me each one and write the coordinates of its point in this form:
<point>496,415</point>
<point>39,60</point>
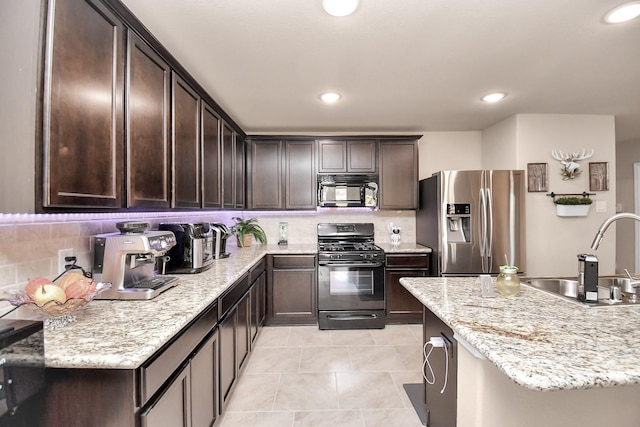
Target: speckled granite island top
<point>124,334</point>
<point>537,340</point>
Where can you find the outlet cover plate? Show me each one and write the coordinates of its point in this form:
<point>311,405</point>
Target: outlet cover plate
<point>62,254</point>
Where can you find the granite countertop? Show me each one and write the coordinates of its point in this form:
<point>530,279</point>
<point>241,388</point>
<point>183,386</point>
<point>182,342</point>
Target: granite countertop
<point>404,248</point>
<point>539,341</point>
<point>124,334</point>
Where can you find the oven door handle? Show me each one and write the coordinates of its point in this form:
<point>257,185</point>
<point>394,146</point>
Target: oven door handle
<point>346,264</point>
<point>340,317</point>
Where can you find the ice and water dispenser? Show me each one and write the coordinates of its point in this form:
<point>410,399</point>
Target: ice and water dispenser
<point>458,222</point>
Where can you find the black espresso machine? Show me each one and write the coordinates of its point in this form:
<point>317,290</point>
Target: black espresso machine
<point>193,251</point>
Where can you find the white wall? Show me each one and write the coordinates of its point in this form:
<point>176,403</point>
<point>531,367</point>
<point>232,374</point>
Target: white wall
<point>627,153</point>
<point>553,242</point>
<point>19,39</point>
<point>499,145</point>
<point>449,151</point>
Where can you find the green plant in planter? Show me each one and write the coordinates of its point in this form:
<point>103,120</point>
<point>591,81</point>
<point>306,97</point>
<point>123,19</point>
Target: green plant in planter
<point>573,201</point>
<point>247,227</point>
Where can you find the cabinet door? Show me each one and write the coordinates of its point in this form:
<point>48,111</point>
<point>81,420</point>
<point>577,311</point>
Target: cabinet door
<point>240,167</point>
<point>401,305</point>
<point>211,150</point>
<point>173,407</point>
<point>266,175</point>
<point>258,290</point>
<point>332,156</point>
<point>228,168</point>
<point>186,145</point>
<point>148,146</point>
<point>227,337</point>
<point>83,134</point>
<point>243,331</point>
<point>441,405</point>
<point>292,297</point>
<point>204,384</point>
<point>398,175</point>
<point>300,175</point>
<point>361,156</point>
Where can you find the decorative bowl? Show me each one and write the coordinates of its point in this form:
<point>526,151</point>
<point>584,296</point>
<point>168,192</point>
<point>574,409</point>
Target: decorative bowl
<point>59,314</point>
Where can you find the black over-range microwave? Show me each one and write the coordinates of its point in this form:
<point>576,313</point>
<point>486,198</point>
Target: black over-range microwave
<point>348,191</point>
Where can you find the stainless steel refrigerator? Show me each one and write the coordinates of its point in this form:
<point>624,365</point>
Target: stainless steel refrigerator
<point>473,221</point>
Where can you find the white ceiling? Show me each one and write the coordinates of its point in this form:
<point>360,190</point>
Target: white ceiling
<point>403,65</point>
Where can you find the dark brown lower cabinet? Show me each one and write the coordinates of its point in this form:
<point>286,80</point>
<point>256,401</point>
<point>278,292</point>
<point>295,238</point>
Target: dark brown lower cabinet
<point>400,305</point>
<point>171,409</point>
<point>204,384</point>
<point>185,384</point>
<point>244,330</point>
<point>177,386</point>
<point>292,290</point>
<point>258,304</point>
<point>191,398</point>
<point>236,329</point>
<point>441,397</point>
<point>228,375</point>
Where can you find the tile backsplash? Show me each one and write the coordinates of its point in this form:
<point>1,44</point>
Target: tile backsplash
<point>29,244</point>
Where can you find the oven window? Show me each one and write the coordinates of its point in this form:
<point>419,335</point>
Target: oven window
<point>351,282</point>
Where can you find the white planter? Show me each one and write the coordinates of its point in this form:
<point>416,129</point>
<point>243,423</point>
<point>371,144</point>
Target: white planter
<point>572,210</point>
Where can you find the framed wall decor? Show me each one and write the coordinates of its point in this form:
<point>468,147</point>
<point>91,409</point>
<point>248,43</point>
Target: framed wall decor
<point>598,176</point>
<point>537,179</point>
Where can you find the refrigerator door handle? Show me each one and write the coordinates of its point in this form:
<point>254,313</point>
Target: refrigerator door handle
<point>489,202</point>
<point>483,229</point>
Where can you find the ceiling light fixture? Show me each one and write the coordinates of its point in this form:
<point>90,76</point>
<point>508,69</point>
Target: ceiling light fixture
<point>340,7</point>
<point>494,97</point>
<point>623,13</point>
<point>330,97</point>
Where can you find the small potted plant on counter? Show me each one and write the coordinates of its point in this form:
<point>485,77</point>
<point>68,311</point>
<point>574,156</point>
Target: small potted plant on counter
<point>244,229</point>
<point>572,206</point>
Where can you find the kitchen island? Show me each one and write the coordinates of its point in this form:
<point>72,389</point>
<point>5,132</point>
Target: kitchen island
<point>539,360</point>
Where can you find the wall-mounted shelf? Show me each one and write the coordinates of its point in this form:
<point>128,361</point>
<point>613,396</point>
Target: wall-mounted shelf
<point>571,210</point>
<point>583,194</point>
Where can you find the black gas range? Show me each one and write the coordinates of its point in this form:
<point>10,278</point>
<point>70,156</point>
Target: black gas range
<point>350,277</point>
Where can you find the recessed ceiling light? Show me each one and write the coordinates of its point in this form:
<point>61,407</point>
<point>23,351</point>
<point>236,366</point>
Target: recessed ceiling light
<point>623,13</point>
<point>494,97</point>
<point>340,7</point>
<point>330,97</point>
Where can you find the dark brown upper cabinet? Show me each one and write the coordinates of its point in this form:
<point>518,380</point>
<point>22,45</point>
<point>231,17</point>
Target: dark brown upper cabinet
<point>342,156</point>
<point>211,156</point>
<point>266,175</point>
<point>228,170</point>
<point>398,162</point>
<point>300,174</point>
<point>186,145</point>
<point>239,170</point>
<point>282,174</point>
<point>148,142</point>
<point>83,126</point>
<point>232,168</point>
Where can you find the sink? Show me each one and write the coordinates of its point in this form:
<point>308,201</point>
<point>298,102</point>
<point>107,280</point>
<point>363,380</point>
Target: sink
<point>567,289</point>
<point>623,282</point>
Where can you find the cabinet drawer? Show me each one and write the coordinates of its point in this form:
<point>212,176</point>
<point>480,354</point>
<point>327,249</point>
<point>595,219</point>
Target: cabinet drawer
<point>408,261</point>
<point>232,295</point>
<point>156,372</point>
<point>256,270</point>
<point>294,261</point>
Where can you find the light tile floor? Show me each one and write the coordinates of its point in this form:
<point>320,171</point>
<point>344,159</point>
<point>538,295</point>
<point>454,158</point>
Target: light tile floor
<point>302,376</point>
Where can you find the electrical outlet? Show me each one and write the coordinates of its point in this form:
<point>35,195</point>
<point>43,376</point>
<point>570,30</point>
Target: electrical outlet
<point>62,254</point>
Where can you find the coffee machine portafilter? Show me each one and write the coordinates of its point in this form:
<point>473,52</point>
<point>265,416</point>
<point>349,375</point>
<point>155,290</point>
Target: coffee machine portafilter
<point>128,261</point>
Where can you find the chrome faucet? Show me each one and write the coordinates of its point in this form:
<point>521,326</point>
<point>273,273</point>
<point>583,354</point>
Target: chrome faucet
<point>607,223</point>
